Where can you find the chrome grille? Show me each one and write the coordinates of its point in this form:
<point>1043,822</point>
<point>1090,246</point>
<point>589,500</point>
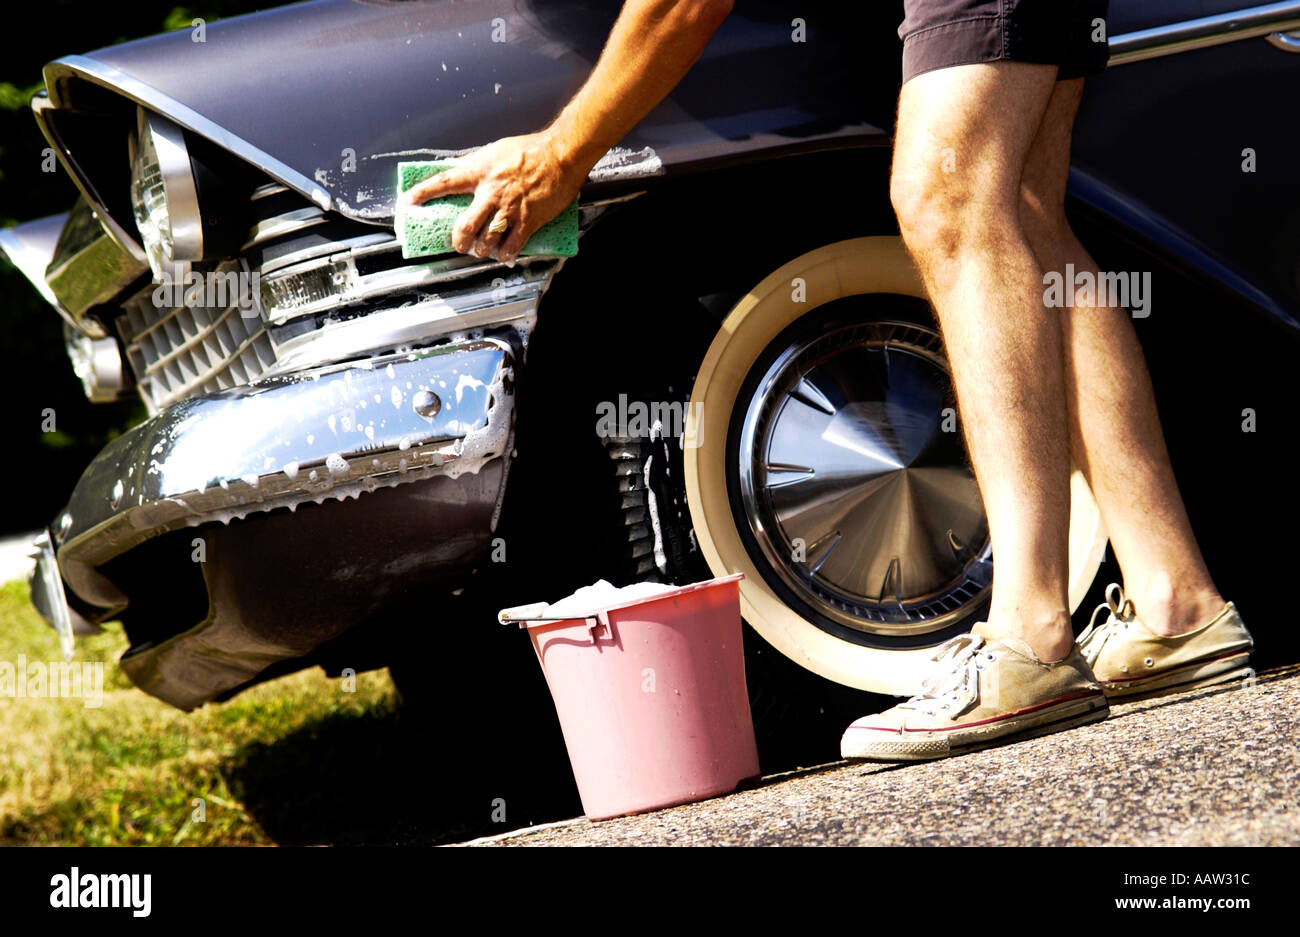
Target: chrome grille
<point>326,290</point>
<point>177,351</point>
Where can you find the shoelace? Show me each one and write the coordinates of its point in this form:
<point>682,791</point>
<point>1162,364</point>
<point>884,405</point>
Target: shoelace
<point>1094,637</point>
<point>953,682</point>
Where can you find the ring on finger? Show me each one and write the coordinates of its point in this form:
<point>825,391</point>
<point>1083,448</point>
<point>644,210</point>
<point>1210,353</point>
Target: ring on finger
<point>499,225</point>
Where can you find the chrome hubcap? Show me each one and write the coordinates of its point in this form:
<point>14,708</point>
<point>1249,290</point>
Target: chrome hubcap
<point>854,482</point>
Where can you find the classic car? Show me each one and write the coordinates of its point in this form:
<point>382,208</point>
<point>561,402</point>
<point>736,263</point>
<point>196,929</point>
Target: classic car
<point>351,460</point>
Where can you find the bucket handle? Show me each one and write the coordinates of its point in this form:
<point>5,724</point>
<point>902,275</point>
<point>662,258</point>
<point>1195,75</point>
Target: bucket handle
<point>594,622</point>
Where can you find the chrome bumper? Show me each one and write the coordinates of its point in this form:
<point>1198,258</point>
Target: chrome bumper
<point>330,433</point>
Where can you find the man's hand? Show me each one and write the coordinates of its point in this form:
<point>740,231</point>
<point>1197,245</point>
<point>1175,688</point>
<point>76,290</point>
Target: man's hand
<point>518,183</point>
<point>521,183</point>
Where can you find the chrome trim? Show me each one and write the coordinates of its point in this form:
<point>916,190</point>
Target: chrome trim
<point>269,189</point>
<point>447,267</point>
<point>1286,41</point>
<point>336,432</point>
<point>123,238</point>
<point>311,251</point>
<point>48,597</point>
<point>109,77</point>
<point>394,328</point>
<point>180,192</point>
<point>510,301</point>
<point>349,285</point>
<point>297,220</point>
<point>30,246</point>
<point>1189,35</point>
<point>856,497</point>
<point>89,267</point>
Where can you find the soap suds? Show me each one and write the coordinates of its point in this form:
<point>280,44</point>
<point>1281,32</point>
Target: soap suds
<point>623,163</point>
<point>602,594</point>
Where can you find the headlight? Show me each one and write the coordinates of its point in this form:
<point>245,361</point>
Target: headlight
<point>98,363</point>
<point>163,194</point>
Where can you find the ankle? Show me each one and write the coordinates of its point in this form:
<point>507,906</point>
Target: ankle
<point>1169,611</point>
<point>1048,634</point>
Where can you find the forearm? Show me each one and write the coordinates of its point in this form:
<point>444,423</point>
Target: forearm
<point>520,183</point>
<point>651,47</point>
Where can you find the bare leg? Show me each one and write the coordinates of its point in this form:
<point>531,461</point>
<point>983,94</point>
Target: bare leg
<point>1115,433</point>
<point>963,138</point>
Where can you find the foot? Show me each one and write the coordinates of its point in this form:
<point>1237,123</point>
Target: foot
<point>1131,660</point>
<point>980,693</point>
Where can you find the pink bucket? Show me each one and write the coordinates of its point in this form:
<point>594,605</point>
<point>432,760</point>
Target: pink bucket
<point>651,697</point>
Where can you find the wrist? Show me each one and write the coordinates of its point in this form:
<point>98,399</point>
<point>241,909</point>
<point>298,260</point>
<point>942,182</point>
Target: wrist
<point>573,151</point>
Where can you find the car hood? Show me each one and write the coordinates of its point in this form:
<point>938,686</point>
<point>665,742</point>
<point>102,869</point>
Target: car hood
<point>328,96</point>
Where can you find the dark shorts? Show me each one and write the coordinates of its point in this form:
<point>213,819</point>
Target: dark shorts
<point>944,33</point>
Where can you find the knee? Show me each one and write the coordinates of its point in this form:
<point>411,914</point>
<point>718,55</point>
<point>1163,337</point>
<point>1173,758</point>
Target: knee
<point>927,211</point>
<point>939,216</point>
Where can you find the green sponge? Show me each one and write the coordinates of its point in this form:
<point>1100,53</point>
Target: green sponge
<point>424,230</point>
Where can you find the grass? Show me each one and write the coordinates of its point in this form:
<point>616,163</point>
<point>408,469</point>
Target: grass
<point>135,771</point>
<point>298,760</point>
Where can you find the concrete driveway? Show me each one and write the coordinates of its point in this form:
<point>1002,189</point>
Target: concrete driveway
<point>1212,767</point>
